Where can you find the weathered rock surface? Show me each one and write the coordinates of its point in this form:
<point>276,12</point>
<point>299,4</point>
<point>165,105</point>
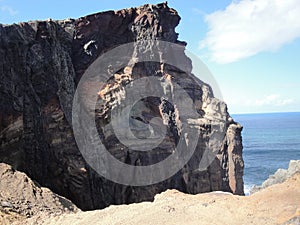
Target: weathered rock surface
<point>279,176</point>
<point>41,63</point>
<point>21,198</point>
<point>277,204</point>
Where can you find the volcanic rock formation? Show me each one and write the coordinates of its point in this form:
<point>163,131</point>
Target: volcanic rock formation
<point>42,63</point>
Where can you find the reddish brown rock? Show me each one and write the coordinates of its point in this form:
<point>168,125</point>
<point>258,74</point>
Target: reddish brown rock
<point>41,63</point>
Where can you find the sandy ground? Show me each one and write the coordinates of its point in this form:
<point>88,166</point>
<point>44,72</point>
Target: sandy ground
<point>278,204</point>
<point>20,198</point>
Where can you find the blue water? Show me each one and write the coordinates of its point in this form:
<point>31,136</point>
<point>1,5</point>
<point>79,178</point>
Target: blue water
<point>270,141</point>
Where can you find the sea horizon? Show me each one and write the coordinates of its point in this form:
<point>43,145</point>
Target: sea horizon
<point>251,113</point>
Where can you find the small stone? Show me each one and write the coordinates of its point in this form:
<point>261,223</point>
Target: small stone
<point>205,204</point>
<point>5,204</point>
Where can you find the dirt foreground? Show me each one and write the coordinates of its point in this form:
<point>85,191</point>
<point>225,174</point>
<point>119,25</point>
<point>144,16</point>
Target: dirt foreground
<point>277,204</point>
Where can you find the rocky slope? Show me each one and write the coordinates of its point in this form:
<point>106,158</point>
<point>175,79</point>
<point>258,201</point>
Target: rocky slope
<point>280,176</point>
<point>277,204</point>
<point>41,64</point>
<point>21,198</point>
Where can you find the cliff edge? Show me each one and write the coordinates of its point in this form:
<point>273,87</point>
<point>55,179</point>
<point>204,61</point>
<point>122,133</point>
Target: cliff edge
<point>277,204</point>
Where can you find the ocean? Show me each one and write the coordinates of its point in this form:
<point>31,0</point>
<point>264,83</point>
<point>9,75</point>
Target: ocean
<point>270,141</point>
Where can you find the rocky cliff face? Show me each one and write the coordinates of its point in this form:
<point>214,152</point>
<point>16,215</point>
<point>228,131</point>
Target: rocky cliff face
<point>42,63</point>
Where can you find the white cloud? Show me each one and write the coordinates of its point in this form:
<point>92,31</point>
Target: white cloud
<point>198,11</point>
<point>273,100</point>
<point>248,27</point>
<point>9,10</point>
<point>268,103</point>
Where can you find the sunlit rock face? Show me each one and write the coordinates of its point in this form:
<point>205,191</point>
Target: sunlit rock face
<point>42,63</point>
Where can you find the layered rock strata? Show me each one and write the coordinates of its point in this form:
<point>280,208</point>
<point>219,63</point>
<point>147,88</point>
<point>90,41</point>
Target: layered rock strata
<point>42,63</point>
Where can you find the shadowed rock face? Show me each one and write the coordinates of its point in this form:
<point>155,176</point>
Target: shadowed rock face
<point>41,63</point>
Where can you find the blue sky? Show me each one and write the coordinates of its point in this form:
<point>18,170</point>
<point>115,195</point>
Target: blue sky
<point>252,47</point>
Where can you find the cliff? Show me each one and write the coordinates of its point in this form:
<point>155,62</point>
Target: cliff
<point>43,62</point>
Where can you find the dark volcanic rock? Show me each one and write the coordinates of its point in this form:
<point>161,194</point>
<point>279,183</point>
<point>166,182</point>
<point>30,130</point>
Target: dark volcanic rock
<point>41,63</point>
